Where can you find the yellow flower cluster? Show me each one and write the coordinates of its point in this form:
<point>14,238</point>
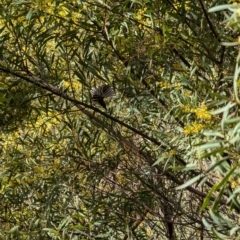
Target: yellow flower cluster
<point>187,93</point>
<point>234,182</point>
<point>9,141</point>
<point>201,112</point>
<point>165,85</point>
<point>46,122</point>
<point>171,153</point>
<point>186,109</point>
<point>193,128</point>
<point>73,85</point>
<point>141,19</point>
<point>140,14</point>
<point>178,5</point>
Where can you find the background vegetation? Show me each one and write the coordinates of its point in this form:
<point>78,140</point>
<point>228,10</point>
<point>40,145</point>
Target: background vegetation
<point>162,162</point>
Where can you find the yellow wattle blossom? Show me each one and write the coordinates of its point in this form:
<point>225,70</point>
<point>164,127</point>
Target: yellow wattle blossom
<point>143,20</point>
<point>193,128</point>
<point>172,152</point>
<point>63,11</point>
<point>140,14</point>
<point>38,169</point>
<point>45,5</point>
<point>162,84</point>
<point>178,5</point>
<point>169,153</point>
<point>149,232</point>
<point>165,85</point>
<point>201,112</point>
<point>187,93</point>
<point>234,182</point>
<point>56,162</point>
<point>186,109</point>
<point>177,85</point>
<point>74,85</point>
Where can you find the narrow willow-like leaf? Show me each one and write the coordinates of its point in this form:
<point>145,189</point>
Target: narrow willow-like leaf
<point>190,182</point>
<point>234,230</point>
<point>221,7</point>
<point>215,188</point>
<point>229,44</point>
<point>219,235</point>
<point>222,109</point>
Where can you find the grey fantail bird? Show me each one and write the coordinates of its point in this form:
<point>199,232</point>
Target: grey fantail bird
<point>101,92</point>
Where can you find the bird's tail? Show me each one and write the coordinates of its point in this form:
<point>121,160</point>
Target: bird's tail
<point>103,91</point>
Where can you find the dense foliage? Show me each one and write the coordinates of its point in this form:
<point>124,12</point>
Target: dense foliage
<point>161,162</point>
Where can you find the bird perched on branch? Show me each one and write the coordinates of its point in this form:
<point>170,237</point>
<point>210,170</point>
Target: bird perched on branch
<point>101,92</point>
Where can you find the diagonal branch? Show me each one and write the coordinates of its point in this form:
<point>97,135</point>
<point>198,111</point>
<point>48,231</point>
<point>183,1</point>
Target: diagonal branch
<point>82,107</point>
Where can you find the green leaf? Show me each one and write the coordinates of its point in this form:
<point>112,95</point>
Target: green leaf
<point>190,182</point>
<point>222,109</point>
<point>221,7</point>
<point>13,229</point>
<point>214,189</point>
<point>234,230</point>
